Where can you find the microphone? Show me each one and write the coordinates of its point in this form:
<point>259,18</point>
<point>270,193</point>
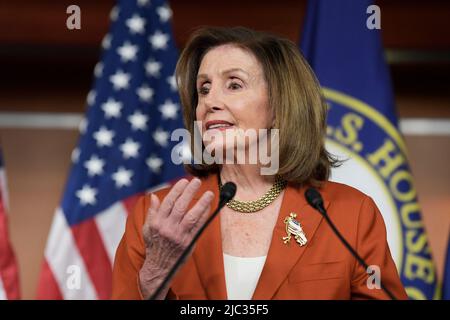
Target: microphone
<point>314,198</point>
<point>226,194</point>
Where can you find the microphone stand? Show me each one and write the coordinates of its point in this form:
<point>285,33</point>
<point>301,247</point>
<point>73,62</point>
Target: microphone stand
<point>314,198</point>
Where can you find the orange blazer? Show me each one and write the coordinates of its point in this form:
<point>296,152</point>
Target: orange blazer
<point>322,269</point>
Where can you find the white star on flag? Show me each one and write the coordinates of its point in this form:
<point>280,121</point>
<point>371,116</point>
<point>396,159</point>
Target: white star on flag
<point>172,82</point>
<point>114,14</point>
<point>153,68</point>
<point>82,126</point>
<point>75,155</point>
<point>112,108</point>
<point>164,13</point>
<point>104,137</point>
<point>138,120</point>
<point>169,110</point>
<point>94,166</point>
<point>127,52</point>
<point>106,42</point>
<point>130,149</point>
<point>136,24</point>
<point>98,70</point>
<point>154,163</point>
<point>159,40</point>
<point>90,99</point>
<point>120,80</point>
<point>87,195</point>
<point>161,137</point>
<point>122,177</point>
<point>143,3</point>
<point>145,93</point>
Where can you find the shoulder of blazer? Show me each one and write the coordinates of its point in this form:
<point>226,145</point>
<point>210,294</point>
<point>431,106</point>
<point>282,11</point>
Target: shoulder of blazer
<point>346,204</point>
<point>341,193</point>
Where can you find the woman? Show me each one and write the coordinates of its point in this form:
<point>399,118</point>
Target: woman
<point>232,80</point>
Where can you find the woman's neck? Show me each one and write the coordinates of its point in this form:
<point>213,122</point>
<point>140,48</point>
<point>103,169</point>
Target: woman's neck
<point>251,185</point>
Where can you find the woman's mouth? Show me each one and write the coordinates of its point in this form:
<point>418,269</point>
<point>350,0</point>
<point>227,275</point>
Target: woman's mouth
<point>218,124</point>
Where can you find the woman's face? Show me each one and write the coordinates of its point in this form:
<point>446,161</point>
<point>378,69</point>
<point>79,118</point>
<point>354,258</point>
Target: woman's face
<point>232,94</point>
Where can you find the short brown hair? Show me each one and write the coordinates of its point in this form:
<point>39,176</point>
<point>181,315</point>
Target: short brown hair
<point>294,95</point>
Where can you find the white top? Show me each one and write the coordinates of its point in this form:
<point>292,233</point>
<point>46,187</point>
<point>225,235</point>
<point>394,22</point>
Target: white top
<point>242,275</point>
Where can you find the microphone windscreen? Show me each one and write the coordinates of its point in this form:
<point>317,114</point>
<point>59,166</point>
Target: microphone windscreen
<point>227,192</point>
<point>314,198</point>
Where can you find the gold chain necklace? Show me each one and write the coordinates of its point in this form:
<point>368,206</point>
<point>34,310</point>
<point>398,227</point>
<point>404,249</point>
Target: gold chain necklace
<point>261,203</point>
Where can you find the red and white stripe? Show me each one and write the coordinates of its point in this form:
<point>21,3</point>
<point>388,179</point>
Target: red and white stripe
<point>9,273</point>
<point>83,254</point>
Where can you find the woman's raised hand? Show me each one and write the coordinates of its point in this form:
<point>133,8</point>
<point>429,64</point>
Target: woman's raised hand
<point>168,229</point>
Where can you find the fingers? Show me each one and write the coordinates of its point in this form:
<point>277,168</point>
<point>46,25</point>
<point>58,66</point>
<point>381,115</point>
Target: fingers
<point>154,202</point>
<point>171,213</point>
<point>199,213</point>
<point>202,219</point>
<point>169,201</point>
<point>154,206</point>
<point>182,203</point>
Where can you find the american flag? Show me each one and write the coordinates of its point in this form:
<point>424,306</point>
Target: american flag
<point>9,272</point>
<point>124,150</point>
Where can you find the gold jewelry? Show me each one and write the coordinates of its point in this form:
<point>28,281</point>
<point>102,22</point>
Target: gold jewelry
<point>294,228</point>
<point>261,203</point>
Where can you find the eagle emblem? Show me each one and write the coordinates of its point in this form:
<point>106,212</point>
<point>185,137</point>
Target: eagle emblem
<point>294,228</point>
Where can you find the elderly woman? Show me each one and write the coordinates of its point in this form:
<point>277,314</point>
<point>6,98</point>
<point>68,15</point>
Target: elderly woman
<point>238,79</point>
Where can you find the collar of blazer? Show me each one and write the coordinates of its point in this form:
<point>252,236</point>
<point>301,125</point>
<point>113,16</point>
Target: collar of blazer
<point>281,258</point>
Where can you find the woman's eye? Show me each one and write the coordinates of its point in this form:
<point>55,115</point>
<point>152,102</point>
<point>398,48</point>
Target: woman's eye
<point>235,86</point>
<point>203,90</point>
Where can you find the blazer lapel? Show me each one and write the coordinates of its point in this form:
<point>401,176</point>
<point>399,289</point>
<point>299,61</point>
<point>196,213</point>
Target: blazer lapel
<point>281,257</point>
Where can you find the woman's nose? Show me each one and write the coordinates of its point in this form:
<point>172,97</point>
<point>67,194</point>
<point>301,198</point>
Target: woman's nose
<point>214,100</point>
